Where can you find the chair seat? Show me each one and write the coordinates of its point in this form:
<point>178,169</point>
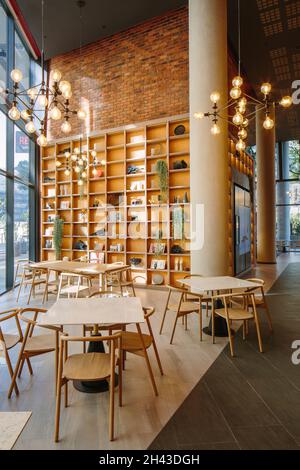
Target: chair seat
<point>104,326</point>
<point>41,343</point>
<point>131,341</point>
<point>185,307</point>
<point>234,313</point>
<point>89,367</point>
<point>10,341</point>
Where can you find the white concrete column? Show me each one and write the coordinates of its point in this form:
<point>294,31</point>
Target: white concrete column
<point>208,153</point>
<point>283,212</point>
<point>266,190</point>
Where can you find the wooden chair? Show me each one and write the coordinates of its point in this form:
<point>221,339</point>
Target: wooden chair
<point>89,367</point>
<point>260,300</point>
<point>194,298</point>
<point>71,285</point>
<point>110,327</point>
<point>182,309</point>
<point>236,313</point>
<point>35,344</point>
<point>138,343</point>
<point>32,277</point>
<point>18,274</point>
<point>122,280</point>
<point>9,341</point>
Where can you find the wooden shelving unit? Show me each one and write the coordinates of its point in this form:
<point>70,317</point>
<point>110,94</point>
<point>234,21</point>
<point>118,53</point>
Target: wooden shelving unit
<point>120,207</point>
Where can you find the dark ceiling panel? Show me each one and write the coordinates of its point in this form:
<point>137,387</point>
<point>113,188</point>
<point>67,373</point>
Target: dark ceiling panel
<point>270,36</point>
<point>100,18</point>
<point>270,51</point>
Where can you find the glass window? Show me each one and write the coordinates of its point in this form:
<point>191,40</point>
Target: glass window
<point>22,61</point>
<point>2,141</point>
<point>21,160</point>
<point>3,48</point>
<point>294,159</point>
<point>21,221</point>
<point>2,233</point>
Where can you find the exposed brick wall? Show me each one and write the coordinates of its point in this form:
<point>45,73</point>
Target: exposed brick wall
<point>136,75</point>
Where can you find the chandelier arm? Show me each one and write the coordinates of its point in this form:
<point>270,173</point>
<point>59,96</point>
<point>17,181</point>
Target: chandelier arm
<point>254,100</point>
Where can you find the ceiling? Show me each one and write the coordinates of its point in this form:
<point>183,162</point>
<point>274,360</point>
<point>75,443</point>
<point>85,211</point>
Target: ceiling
<point>270,46</point>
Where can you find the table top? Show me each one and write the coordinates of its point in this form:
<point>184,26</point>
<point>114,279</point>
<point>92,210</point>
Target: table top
<point>78,267</point>
<point>96,310</point>
<point>205,284</point>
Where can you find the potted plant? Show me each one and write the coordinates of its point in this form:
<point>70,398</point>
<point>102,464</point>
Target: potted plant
<point>163,178</point>
<point>57,236</point>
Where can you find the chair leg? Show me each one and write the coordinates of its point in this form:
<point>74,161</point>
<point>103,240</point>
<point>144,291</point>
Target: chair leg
<point>230,338</point>
<point>29,365</point>
<point>147,361</point>
<point>31,289</point>
<point>111,406</point>
<point>185,322</point>
<point>14,377</point>
<point>84,334</point>
<point>200,322</point>
<point>174,328</point>
<point>244,330</point>
<point>165,312</point>
<point>45,296</point>
<point>21,367</point>
<point>20,287</point>
<point>258,331</point>
<point>120,367</point>
<point>10,370</point>
<point>57,412</point>
<point>213,325</point>
<point>133,290</point>
<point>157,356</point>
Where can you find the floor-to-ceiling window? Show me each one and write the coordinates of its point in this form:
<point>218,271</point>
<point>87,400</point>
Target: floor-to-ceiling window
<point>18,210</point>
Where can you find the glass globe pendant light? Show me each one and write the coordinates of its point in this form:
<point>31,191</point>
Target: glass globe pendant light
<point>50,101</point>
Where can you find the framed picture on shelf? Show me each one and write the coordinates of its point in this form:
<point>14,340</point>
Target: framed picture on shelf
<point>65,205</point>
<point>158,264</point>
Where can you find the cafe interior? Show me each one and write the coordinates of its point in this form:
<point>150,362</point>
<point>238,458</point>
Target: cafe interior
<point>149,225</point>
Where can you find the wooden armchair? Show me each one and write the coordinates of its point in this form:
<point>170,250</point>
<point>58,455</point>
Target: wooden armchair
<point>35,345</point>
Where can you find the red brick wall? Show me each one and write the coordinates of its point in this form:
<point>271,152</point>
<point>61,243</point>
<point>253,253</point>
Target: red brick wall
<point>136,75</point>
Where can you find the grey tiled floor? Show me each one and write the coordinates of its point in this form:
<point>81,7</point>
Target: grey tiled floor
<point>253,400</point>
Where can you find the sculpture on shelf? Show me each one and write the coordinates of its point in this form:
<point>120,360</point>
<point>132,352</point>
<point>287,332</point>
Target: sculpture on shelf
<point>163,178</point>
<point>58,236</point>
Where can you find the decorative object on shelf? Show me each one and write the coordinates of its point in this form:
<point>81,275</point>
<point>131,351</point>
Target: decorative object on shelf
<point>176,265</point>
<point>137,201</point>
<point>116,248</point>
<point>179,130</point>
<point>177,249</point>
<point>83,216</point>
<point>157,279</point>
<point>80,245</point>
<point>53,101</point>
<point>163,178</point>
<point>99,233</point>
<point>178,223</point>
<point>181,264</point>
<point>137,186</point>
<point>48,244</point>
<point>65,205</point>
<point>58,236</point>
<point>135,169</point>
<point>179,165</point>
<point>98,246</point>
<point>47,179</point>
<point>159,264</point>
<point>51,219</point>
<point>135,261</point>
<point>239,100</point>
<point>49,232</point>
<point>50,205</point>
<point>185,198</point>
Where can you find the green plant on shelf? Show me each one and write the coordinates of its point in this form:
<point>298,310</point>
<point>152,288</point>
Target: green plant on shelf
<point>163,178</point>
<point>58,236</point>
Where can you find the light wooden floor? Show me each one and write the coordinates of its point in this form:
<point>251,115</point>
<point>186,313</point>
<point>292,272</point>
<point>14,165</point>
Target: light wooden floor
<point>84,425</point>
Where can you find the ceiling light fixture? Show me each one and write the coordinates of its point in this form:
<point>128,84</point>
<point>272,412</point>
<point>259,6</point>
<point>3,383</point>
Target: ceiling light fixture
<point>239,100</point>
<point>52,101</point>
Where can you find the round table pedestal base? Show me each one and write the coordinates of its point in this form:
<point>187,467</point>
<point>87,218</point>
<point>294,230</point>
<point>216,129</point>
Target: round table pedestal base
<point>99,386</point>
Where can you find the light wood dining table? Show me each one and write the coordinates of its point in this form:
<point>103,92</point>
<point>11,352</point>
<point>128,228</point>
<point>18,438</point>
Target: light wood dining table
<point>95,311</point>
<point>100,270</point>
<point>211,285</point>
